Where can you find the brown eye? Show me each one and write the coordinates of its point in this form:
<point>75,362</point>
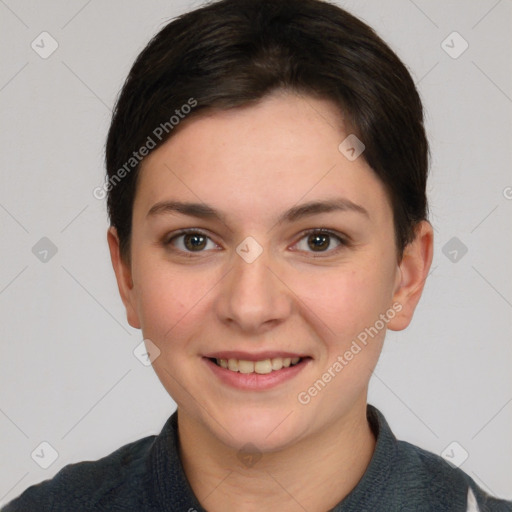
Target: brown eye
<point>194,242</point>
<point>191,241</point>
<point>320,242</point>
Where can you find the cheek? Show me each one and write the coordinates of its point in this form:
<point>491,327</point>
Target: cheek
<point>346,302</point>
<point>166,299</point>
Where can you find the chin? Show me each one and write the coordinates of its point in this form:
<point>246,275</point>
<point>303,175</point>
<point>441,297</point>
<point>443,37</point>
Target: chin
<point>266,430</point>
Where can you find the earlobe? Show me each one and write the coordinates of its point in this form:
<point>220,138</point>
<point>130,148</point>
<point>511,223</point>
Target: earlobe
<point>122,270</point>
<point>412,274</point>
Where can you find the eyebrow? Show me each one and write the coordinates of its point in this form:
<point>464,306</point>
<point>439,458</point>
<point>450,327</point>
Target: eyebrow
<point>204,211</point>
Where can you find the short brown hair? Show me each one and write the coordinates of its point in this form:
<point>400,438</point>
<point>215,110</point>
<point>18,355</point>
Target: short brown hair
<point>230,53</point>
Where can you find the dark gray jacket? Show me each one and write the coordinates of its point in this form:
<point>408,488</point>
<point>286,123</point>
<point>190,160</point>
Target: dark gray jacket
<point>147,476</point>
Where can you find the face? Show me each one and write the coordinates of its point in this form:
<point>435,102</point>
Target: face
<point>288,256</point>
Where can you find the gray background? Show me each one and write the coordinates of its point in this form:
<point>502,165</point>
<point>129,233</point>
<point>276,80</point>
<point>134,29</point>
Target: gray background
<point>68,375</point>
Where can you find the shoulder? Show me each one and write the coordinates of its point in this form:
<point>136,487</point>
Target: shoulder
<point>114,482</point>
<point>446,487</point>
<point>403,477</point>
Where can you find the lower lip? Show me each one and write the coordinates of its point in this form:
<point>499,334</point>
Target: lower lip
<point>256,381</point>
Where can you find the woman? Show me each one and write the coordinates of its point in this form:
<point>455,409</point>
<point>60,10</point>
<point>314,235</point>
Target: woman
<point>267,164</point>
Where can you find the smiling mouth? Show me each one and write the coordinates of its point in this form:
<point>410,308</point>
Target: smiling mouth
<point>262,367</point>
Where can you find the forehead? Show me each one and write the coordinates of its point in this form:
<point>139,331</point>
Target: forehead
<point>264,157</point>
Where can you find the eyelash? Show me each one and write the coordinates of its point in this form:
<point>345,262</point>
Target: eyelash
<point>343,241</point>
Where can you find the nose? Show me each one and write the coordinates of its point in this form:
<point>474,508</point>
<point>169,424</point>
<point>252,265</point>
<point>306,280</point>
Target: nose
<point>253,297</point>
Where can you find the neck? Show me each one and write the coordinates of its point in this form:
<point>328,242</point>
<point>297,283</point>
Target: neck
<point>314,474</point>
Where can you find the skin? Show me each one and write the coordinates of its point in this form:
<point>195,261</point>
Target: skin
<point>252,164</point>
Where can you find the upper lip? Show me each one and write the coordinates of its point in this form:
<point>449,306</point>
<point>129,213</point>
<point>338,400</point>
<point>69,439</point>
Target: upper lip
<point>247,356</point>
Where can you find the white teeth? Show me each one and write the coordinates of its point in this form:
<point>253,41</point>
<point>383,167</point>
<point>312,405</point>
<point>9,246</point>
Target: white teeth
<point>277,363</point>
<point>245,366</point>
<point>261,367</point>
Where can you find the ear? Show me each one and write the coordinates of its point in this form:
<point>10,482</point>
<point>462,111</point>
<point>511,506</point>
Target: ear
<point>412,274</point>
<point>123,273</point>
